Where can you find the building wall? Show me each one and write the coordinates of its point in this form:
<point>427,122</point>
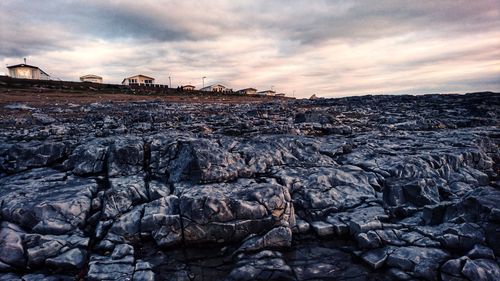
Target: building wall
<point>267,93</point>
<point>24,72</point>
<point>43,76</point>
<point>218,88</point>
<point>91,79</point>
<point>138,80</point>
<point>250,92</point>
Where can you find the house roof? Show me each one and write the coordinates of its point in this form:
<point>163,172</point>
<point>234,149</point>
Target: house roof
<point>209,87</point>
<point>91,76</point>
<point>22,65</point>
<point>137,76</point>
<point>188,86</point>
<point>27,65</point>
<point>267,91</point>
<point>246,89</point>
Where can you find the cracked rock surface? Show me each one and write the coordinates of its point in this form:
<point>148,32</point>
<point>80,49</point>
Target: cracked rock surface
<point>362,188</point>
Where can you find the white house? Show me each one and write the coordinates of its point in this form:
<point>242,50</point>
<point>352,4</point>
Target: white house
<point>138,80</point>
<point>247,91</point>
<point>25,71</point>
<point>188,88</point>
<point>91,78</point>
<point>215,88</point>
<point>267,93</point>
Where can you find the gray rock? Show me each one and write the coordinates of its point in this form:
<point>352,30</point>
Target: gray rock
<point>481,269</point>
<point>47,201</point>
<point>66,250</point>
<point>376,258</point>
<point>162,221</point>
<point>265,265</point>
<point>453,267</point>
<point>422,262</point>
<point>481,252</point>
<point>280,237</point>
<point>88,158</point>
<point>11,247</point>
<point>422,192</point>
<point>230,212</point>
<point>323,229</point>
<point>143,272</point>
<point>43,118</point>
<point>72,259</point>
<point>368,240</point>
<point>123,194</point>
<point>126,156</point>
<point>23,156</point>
<point>118,266</point>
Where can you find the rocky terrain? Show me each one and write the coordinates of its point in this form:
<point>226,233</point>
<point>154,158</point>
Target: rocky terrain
<point>362,188</point>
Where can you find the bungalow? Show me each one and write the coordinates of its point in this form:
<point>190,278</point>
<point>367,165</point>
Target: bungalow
<point>215,88</point>
<point>138,80</point>
<point>247,91</point>
<point>25,71</point>
<point>266,93</point>
<point>91,78</point>
<point>188,88</point>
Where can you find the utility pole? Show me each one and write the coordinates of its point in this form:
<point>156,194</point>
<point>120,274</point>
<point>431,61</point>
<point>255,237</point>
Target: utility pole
<point>203,81</point>
<point>169,82</point>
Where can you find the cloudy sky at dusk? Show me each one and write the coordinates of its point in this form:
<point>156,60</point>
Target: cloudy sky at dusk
<point>328,48</point>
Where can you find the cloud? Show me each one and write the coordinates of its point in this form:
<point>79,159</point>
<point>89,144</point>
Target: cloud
<point>324,47</point>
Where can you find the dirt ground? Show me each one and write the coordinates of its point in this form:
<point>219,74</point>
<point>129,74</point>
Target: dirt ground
<point>33,97</point>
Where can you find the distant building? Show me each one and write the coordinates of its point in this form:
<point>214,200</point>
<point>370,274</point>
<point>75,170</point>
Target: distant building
<point>247,91</point>
<point>138,80</point>
<point>280,95</point>
<point>91,78</point>
<point>215,88</point>
<point>25,71</point>
<point>188,87</point>
<point>267,93</point>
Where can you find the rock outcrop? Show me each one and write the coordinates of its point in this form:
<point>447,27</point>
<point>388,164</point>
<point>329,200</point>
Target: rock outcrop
<point>364,188</point>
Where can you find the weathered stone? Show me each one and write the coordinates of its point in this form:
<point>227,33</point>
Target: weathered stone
<point>265,265</point>
<point>422,192</point>
<point>88,158</point>
<point>124,193</point>
<point>162,221</point>
<point>368,240</point>
<point>279,237</point>
<point>376,258</point>
<point>47,201</point>
<point>23,156</point>
<point>322,228</point>
<point>481,252</point>
<point>423,262</point>
<point>211,191</point>
<point>126,156</point>
<point>118,266</point>
<point>11,246</point>
<point>481,269</point>
<point>72,259</point>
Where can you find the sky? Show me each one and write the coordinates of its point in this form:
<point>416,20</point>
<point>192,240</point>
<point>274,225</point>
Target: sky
<point>300,47</point>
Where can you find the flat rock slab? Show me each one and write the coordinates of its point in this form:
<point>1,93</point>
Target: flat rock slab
<point>47,201</point>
